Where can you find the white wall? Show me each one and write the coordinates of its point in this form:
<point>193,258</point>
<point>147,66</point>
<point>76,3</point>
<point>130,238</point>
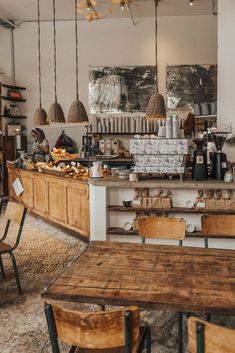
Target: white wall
<point>182,40</point>
<point>226,61</point>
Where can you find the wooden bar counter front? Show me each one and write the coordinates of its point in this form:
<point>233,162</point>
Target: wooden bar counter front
<point>59,200</point>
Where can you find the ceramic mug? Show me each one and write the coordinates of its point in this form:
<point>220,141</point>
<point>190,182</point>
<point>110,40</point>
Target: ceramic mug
<point>133,177</point>
<point>162,131</point>
<point>128,226</point>
<point>190,228</point>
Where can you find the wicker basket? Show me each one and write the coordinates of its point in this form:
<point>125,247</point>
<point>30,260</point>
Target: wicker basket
<point>55,172</point>
<point>60,158</point>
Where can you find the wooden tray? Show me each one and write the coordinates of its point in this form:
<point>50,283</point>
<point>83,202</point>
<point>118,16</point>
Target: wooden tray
<point>54,172</point>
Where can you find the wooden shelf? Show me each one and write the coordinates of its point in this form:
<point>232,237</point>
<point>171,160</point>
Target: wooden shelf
<point>12,99</point>
<point>13,87</point>
<point>117,208</point>
<point>121,133</point>
<point>120,231</point>
<point>13,117</point>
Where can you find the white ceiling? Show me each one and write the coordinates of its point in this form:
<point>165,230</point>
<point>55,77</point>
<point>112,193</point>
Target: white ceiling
<point>26,10</point>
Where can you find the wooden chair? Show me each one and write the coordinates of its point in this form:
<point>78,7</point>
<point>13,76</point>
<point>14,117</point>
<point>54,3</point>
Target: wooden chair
<point>209,338</point>
<point>217,226</point>
<point>97,331</point>
<point>14,213</point>
<point>165,228</point>
<point>162,228</point>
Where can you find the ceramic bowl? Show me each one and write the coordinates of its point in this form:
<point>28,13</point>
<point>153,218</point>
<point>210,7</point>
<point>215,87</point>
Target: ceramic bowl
<point>190,228</point>
<point>127,203</point>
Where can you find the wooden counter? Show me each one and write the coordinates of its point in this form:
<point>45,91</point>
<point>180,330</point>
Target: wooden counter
<point>59,200</point>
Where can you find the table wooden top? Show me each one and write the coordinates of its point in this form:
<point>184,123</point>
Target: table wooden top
<point>172,278</point>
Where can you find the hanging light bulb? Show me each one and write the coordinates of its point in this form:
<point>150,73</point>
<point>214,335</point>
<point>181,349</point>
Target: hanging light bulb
<point>89,7</point>
<point>55,114</point>
<point>191,2</point>
<point>156,108</point>
<point>40,115</point>
<point>77,112</point>
<point>122,5</point>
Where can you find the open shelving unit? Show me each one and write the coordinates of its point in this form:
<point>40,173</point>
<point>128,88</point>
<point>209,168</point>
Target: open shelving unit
<point>117,208</point>
<point>120,231</point>
<point>12,99</point>
<point>7,146</point>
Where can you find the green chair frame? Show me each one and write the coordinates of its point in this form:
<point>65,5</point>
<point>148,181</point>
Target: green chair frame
<point>180,313</point>
<point>145,335</point>
<point>11,249</point>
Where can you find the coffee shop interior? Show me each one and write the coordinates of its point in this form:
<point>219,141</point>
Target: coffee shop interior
<point>117,176</point>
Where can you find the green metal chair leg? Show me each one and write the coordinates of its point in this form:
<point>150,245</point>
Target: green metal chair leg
<point>180,331</point>
<point>200,338</point>
<point>51,328</point>
<point>148,341</point>
<point>16,272</point>
<point>2,268</point>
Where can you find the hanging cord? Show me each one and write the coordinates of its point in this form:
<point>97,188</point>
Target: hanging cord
<point>156,47</point>
<point>39,59</point>
<point>76,36</point>
<point>54,49</point>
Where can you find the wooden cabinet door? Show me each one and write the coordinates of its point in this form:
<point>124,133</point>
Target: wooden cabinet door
<point>57,200</point>
<point>40,194</point>
<point>27,195</point>
<point>78,207</point>
<point>12,175</point>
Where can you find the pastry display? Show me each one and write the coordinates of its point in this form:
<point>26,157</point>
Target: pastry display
<point>59,154</point>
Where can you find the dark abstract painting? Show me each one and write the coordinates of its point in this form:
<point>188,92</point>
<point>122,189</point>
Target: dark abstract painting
<point>120,89</point>
<point>192,85</point>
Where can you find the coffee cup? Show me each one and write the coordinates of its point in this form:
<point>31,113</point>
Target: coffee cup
<point>133,177</point>
<point>128,226</point>
<point>162,131</point>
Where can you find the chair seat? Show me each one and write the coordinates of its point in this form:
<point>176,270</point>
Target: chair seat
<point>4,247</point>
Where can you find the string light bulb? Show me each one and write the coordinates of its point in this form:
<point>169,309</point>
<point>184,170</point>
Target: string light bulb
<point>191,2</point>
<point>122,5</point>
<point>89,7</point>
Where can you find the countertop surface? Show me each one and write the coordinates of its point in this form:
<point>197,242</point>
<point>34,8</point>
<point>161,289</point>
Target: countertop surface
<point>116,182</point>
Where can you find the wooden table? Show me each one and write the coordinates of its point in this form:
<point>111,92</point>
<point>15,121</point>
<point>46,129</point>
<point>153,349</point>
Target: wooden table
<point>174,278</point>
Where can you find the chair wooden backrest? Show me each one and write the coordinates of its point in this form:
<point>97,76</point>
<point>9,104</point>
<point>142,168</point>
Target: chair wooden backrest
<point>209,338</point>
<point>93,329</point>
<point>162,228</point>
<point>14,212</point>
<point>218,225</point>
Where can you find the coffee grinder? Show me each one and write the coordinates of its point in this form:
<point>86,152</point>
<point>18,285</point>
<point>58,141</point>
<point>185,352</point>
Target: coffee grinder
<point>219,160</point>
<point>200,160</point>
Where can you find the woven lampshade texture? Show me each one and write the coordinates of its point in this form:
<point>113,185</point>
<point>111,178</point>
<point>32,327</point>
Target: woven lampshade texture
<point>56,114</point>
<point>156,107</point>
<point>40,117</point>
<point>77,113</point>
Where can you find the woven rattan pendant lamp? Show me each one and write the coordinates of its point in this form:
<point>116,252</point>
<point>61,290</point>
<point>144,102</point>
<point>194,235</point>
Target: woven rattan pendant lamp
<point>55,114</point>
<point>40,115</point>
<point>156,107</point>
<point>77,112</point>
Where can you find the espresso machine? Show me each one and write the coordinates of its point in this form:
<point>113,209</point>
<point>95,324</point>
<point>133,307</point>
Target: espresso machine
<point>200,160</point>
<point>219,159</point>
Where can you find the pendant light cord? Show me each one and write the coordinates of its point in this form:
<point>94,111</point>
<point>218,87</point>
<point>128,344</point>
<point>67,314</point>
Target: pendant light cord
<point>54,49</point>
<point>76,37</point>
<point>39,58</point>
<point>156,46</point>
